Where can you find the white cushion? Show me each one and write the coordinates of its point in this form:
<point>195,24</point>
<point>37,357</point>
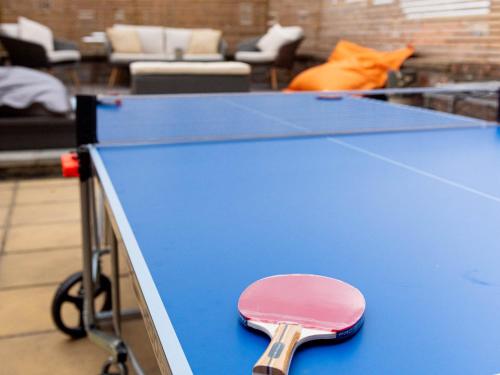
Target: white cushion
<point>294,32</point>
<point>123,58</point>
<point>274,39</point>
<point>195,68</point>
<point>256,56</point>
<point>176,38</point>
<point>124,40</point>
<point>64,55</point>
<point>11,29</point>
<point>151,37</point>
<point>36,32</point>
<point>203,57</point>
<point>204,41</point>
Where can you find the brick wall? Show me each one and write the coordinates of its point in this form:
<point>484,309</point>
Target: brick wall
<point>238,19</point>
<point>469,35</point>
<point>454,30</point>
<point>305,13</point>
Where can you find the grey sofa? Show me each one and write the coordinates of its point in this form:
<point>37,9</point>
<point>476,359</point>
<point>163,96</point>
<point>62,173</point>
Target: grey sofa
<point>158,44</point>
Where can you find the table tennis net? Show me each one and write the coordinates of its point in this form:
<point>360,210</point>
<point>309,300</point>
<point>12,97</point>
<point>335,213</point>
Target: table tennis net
<point>252,117</point>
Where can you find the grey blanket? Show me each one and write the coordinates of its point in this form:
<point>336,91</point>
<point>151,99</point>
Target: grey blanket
<point>22,87</point>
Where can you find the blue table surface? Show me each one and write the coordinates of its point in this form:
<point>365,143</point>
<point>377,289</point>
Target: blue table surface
<point>411,219</point>
<point>153,118</point>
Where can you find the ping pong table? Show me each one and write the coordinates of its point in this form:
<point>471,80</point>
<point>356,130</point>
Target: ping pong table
<point>207,194</point>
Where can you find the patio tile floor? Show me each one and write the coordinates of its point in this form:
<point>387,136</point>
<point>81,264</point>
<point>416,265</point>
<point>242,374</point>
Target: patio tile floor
<point>43,236</point>
<point>40,213</point>
<point>5,196</point>
<point>29,194</point>
<point>40,247</point>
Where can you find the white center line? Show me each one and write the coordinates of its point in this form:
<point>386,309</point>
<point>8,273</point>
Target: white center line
<point>373,154</point>
<point>414,170</point>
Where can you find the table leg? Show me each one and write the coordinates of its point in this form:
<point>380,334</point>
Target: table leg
<point>115,286</point>
<point>86,217</point>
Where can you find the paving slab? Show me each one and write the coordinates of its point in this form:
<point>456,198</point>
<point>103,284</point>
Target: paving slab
<point>61,212</point>
<point>7,184</point>
<point>46,194</point>
<point>44,267</point>
<point>27,310</point>
<point>2,236</point>
<point>6,197</point>
<point>39,268</point>
<point>3,216</point>
<point>50,353</point>
<point>43,246</point>
<point>44,236</point>
<point>45,182</point>
<point>53,353</point>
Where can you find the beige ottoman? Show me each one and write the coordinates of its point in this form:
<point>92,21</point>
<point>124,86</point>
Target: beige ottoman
<point>189,77</point>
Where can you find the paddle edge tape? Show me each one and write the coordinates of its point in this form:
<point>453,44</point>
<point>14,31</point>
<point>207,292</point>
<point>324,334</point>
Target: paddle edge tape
<point>331,335</point>
<point>349,332</point>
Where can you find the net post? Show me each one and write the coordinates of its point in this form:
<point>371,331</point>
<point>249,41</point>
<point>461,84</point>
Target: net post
<point>86,119</point>
<point>498,105</point>
<point>86,134</point>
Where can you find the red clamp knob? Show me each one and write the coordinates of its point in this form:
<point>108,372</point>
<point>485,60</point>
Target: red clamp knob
<point>70,165</point>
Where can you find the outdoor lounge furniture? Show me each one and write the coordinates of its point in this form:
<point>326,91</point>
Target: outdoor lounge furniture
<point>189,77</point>
<point>37,132</point>
<point>276,49</point>
<point>35,112</point>
<point>351,66</point>
<point>155,43</point>
<point>28,51</point>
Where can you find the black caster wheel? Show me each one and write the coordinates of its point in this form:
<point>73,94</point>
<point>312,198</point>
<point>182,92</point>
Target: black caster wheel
<point>120,367</point>
<point>71,291</point>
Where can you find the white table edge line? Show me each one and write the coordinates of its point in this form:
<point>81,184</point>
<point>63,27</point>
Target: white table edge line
<point>176,357</point>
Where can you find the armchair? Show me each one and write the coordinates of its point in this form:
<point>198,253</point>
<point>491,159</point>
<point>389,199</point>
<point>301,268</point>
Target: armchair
<point>30,54</point>
<point>284,58</point>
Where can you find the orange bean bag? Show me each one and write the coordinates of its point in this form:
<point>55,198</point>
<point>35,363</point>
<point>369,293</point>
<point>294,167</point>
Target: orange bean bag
<point>351,67</point>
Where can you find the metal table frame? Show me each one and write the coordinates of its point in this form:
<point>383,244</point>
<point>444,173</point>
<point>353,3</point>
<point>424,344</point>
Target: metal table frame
<point>101,236</point>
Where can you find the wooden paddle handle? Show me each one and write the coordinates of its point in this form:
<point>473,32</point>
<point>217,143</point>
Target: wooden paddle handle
<point>276,358</point>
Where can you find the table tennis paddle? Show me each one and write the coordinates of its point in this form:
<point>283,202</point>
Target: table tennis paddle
<point>330,97</point>
<point>294,309</point>
<point>114,101</point>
